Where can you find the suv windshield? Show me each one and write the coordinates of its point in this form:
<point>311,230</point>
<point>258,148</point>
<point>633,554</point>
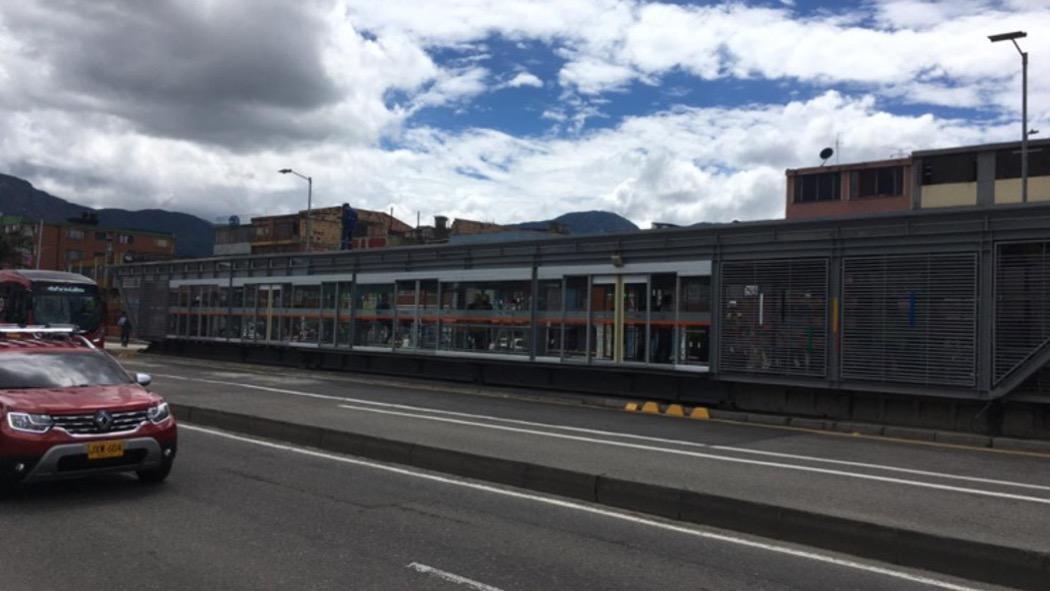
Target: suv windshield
<point>83,311</point>
<point>59,370</point>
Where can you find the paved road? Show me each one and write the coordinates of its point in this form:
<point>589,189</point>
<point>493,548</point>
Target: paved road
<point>995,497</point>
<point>240,515</point>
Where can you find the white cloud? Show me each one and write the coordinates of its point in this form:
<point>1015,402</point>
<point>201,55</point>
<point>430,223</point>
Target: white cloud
<point>101,140</point>
<point>683,165</point>
<point>610,43</point>
<point>451,87</point>
<point>523,79</point>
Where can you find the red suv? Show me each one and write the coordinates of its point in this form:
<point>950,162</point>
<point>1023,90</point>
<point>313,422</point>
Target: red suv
<point>67,409</point>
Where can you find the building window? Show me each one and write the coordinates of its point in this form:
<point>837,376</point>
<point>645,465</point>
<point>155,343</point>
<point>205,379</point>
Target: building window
<point>74,255</point>
<point>877,182</point>
<point>953,168</point>
<point>75,234</point>
<point>1008,162</point>
<point>101,236</point>
<point>126,239</point>
<point>817,187</point>
<point>161,242</point>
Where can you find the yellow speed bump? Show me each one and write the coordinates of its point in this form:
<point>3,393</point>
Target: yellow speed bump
<point>700,413</point>
<point>651,408</point>
<point>675,410</point>
<point>631,407</point>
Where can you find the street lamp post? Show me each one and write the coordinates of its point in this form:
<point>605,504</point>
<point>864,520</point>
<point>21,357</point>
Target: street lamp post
<point>309,204</point>
<point>1013,37</point>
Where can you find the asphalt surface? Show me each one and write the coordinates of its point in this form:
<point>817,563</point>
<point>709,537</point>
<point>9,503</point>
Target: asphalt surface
<point>1002,498</point>
<point>238,515</point>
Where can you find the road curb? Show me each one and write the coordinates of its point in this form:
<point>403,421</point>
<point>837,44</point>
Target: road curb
<point>1001,565</point>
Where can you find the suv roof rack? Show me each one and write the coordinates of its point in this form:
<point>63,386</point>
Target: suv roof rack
<point>40,332</point>
<point>38,328</point>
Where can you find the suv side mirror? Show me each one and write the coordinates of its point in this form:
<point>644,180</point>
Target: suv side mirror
<point>143,379</point>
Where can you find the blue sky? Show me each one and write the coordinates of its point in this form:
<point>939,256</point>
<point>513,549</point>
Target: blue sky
<point>500,110</point>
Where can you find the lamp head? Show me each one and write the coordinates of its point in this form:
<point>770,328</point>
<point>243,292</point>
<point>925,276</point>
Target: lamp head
<point>285,170</point>
<point>1007,36</point>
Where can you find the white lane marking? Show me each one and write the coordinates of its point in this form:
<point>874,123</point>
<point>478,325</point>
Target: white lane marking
<point>451,577</point>
<point>708,456</point>
<point>556,502</point>
<point>686,443</point>
<point>679,442</point>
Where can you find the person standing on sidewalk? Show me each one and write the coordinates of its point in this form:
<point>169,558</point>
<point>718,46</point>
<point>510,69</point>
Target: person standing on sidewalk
<point>125,328</point>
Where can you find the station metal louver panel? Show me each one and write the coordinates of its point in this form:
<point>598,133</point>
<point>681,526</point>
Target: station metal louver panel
<point>910,318</point>
<point>774,317</point>
<point>146,302</point>
<point>1022,302</point>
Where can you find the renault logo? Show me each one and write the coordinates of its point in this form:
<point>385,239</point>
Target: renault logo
<point>103,420</point>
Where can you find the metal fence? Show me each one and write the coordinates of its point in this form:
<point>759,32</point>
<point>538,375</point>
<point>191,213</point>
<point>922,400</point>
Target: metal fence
<point>1022,304</point>
<point>910,318</point>
<point>774,317</point>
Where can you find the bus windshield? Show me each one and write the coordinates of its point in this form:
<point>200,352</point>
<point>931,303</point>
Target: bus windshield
<point>82,310</point>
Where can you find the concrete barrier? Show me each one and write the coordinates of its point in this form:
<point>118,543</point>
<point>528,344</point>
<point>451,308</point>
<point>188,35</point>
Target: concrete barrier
<point>1001,565</point>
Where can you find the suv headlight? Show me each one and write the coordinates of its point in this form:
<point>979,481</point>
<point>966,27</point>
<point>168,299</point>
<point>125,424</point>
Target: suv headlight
<point>159,413</point>
<point>30,423</point>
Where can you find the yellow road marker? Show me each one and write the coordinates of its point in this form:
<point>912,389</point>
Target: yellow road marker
<point>675,410</point>
<point>700,413</point>
<point>651,408</point>
<point>631,407</point>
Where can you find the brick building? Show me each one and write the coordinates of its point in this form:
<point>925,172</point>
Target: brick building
<point>969,176</point>
<point>287,232</point>
<point>82,246</point>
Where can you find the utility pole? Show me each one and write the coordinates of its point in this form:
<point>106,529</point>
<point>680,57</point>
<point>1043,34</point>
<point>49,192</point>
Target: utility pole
<point>39,242</point>
<point>1013,37</point>
<point>309,204</point>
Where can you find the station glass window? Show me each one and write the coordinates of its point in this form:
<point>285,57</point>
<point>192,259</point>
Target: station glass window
<point>327,313</point>
<point>236,313</point>
<point>887,181</point>
<point>345,301</point>
<point>374,315</point>
<point>491,317</point>
<point>303,320</point>
<point>250,319</point>
<point>173,323</point>
<point>823,186</point>
<point>549,306</point>
<point>1008,162</point>
<point>574,325</point>
<point>603,318</point>
<point>950,168</point>
<point>417,314</point>
<point>635,320</point>
<point>694,317</point>
<point>661,318</point>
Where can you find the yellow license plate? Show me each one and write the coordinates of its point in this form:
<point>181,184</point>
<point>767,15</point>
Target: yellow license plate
<point>100,450</point>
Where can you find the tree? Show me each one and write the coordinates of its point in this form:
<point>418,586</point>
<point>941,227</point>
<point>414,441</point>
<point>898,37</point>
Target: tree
<point>13,246</point>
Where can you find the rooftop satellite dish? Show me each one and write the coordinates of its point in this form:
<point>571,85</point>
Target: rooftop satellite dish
<point>234,221</point>
<point>825,154</point>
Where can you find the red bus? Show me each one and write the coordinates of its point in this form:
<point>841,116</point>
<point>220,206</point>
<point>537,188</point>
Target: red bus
<point>53,298</point>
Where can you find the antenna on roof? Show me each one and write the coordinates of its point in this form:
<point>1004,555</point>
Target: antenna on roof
<point>825,154</point>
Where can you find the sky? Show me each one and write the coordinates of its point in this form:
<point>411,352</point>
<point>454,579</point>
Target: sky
<point>496,110</point>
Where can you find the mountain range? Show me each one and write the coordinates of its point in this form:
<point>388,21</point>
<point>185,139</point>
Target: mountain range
<point>586,222</point>
<point>195,237</point>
